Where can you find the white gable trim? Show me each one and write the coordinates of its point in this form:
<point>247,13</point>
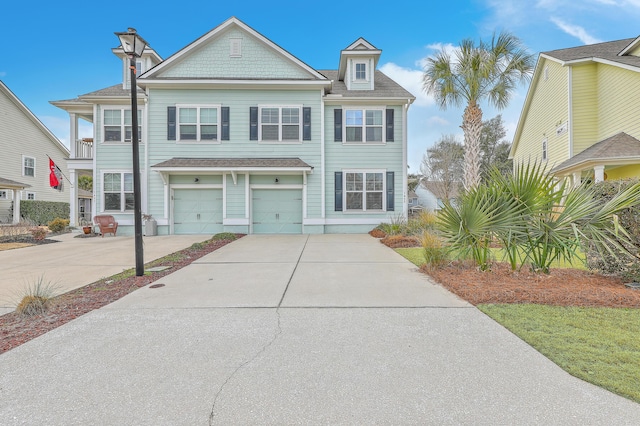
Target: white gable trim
<point>630,47</point>
<point>361,41</point>
<point>233,21</point>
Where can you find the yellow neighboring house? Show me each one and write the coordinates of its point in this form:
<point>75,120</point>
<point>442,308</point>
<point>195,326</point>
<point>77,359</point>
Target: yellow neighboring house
<point>582,112</point>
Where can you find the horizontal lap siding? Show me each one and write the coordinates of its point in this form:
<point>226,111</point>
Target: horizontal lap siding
<point>619,95</point>
<point>585,110</point>
<point>236,201</point>
<point>340,156</point>
<point>548,107</point>
<point>239,145</point>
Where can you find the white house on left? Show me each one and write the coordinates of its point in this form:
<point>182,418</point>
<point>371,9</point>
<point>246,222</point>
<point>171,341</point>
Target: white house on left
<point>26,145</point>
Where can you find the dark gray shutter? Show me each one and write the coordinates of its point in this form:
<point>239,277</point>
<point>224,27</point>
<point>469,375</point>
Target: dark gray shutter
<point>390,194</point>
<point>224,112</point>
<point>253,123</point>
<point>338,191</point>
<point>171,123</point>
<point>306,123</point>
<point>337,123</point>
<point>389,125</point>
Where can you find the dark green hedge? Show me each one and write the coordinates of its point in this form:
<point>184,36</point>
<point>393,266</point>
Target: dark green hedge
<point>43,212</point>
<point>625,267</point>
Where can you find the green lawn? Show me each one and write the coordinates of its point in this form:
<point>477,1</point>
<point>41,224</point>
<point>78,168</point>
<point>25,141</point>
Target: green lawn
<point>598,345</point>
<point>415,256</point>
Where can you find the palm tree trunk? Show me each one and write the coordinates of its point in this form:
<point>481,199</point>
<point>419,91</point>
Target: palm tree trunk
<point>472,126</point>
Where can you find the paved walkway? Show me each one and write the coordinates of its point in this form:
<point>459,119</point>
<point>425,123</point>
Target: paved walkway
<point>75,262</point>
<point>327,329</point>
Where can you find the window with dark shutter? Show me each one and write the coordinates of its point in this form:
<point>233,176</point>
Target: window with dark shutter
<point>306,123</point>
<point>224,112</point>
<point>171,123</point>
<point>338,191</point>
<point>390,192</point>
<point>389,125</point>
<point>337,123</point>
<point>253,123</point>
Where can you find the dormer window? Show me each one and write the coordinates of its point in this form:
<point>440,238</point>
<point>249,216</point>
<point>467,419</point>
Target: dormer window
<point>361,71</point>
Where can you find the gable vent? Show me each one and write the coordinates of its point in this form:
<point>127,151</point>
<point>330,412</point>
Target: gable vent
<point>235,50</point>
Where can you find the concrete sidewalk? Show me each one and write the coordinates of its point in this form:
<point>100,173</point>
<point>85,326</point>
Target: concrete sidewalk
<point>328,329</point>
<point>75,262</point>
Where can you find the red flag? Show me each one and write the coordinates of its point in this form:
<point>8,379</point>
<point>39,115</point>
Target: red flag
<point>53,179</point>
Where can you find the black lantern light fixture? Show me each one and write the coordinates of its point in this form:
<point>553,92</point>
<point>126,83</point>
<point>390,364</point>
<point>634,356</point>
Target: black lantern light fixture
<point>133,45</point>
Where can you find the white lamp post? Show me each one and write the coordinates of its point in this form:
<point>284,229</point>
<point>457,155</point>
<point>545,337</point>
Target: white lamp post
<point>133,45</point>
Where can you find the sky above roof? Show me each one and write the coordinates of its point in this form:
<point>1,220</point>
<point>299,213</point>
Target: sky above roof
<point>53,51</point>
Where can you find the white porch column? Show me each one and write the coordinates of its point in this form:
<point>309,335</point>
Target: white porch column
<point>73,135</point>
<point>577,179</point>
<point>16,206</point>
<point>598,172</point>
<point>73,198</point>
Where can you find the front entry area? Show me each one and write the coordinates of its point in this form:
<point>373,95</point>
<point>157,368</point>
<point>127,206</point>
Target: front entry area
<point>197,211</point>
<point>276,211</point>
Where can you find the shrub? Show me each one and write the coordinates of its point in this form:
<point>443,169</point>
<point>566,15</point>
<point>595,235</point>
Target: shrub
<point>42,212</point>
<point>38,234</point>
<point>397,226</point>
<point>36,298</point>
<point>58,224</point>
<point>224,236</point>
<point>435,252</point>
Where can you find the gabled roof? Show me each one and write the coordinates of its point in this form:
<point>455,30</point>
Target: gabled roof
<point>233,21</point>
<point>360,47</point>
<point>13,98</point>
<point>438,188</point>
<point>12,184</point>
<point>608,151</point>
<point>385,88</point>
<point>609,51</point>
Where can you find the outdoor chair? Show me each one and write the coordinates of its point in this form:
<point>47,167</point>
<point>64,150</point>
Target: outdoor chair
<point>107,224</point>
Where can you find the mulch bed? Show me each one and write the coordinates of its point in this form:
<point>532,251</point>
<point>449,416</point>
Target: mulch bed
<point>561,287</point>
<point>16,329</point>
<point>28,239</point>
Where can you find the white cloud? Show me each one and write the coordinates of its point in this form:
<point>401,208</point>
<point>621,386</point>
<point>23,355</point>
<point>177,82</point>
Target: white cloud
<point>60,126</point>
<point>438,121</point>
<point>410,79</point>
<point>575,31</point>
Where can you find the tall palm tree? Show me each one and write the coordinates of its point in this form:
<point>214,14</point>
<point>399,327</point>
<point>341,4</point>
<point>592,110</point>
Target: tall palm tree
<point>488,71</point>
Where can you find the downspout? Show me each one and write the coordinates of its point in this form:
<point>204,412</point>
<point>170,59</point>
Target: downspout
<point>323,190</point>
<point>145,132</point>
<point>405,204</point>
<point>570,111</point>
<point>94,148</point>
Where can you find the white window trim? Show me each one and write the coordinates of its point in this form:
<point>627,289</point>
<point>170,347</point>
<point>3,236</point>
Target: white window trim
<point>27,193</point>
<point>545,149</point>
<point>364,126</point>
<point>122,192</point>
<point>366,71</point>
<point>364,191</point>
<point>280,124</point>
<point>24,157</point>
<point>4,194</point>
<point>198,140</point>
<point>122,109</point>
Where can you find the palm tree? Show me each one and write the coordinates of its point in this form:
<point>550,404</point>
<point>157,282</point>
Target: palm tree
<point>488,71</point>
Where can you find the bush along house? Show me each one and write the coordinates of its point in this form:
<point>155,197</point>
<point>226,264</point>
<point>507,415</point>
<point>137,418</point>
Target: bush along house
<point>239,135</point>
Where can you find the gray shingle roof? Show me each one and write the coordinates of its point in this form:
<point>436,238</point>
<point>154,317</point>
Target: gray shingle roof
<point>608,50</point>
<point>384,87</point>
<point>230,163</point>
<point>115,90</point>
<point>618,146</point>
<point>12,184</point>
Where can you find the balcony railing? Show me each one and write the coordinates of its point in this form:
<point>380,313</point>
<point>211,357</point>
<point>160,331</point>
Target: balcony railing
<point>84,148</point>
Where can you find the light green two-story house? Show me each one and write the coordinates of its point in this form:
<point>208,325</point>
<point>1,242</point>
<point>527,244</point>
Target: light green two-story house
<point>580,115</point>
<point>239,135</point>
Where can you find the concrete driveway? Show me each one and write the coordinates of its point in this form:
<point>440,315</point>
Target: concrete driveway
<point>327,329</point>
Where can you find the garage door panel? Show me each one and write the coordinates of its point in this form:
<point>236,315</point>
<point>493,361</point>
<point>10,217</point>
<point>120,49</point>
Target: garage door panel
<point>277,211</point>
<point>197,211</point>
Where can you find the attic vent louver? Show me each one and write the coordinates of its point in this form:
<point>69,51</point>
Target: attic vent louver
<point>235,48</point>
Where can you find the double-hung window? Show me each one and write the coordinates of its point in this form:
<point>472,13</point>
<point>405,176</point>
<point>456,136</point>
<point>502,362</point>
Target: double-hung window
<point>363,125</point>
<point>28,166</point>
<point>3,194</point>
<point>117,125</point>
<point>361,71</point>
<point>198,123</point>
<point>364,191</point>
<point>280,124</point>
<point>118,191</point>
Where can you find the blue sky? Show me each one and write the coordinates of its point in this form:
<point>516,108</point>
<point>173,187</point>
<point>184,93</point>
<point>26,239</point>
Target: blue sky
<point>52,50</point>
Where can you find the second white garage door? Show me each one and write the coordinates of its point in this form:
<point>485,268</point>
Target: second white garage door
<point>277,211</point>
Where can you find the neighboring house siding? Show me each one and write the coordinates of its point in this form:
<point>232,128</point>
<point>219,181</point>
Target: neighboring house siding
<point>426,198</point>
<point>548,107</point>
<point>20,136</point>
<point>584,123</point>
<point>619,102</point>
<point>254,62</point>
